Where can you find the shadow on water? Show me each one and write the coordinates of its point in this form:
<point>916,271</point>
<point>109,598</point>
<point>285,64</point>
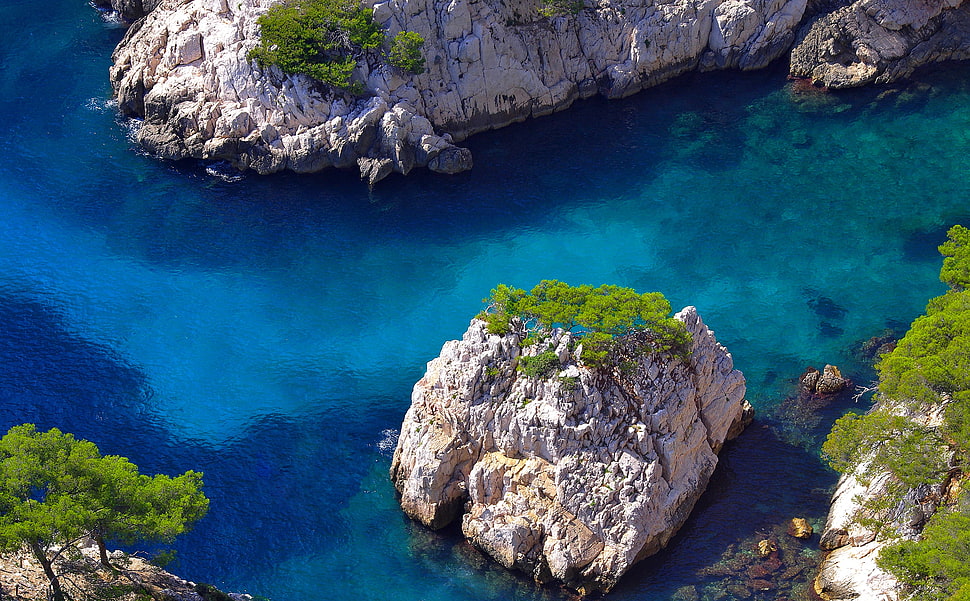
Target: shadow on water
<point>921,245</point>
<point>52,377</point>
<point>275,490</point>
<point>715,555</point>
<point>525,176</point>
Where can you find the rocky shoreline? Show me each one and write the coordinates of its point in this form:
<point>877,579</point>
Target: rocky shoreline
<point>183,70</point>
<point>22,579</point>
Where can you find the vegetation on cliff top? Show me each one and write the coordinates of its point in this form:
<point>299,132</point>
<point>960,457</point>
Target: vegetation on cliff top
<point>324,39</point>
<point>929,370</point>
<point>611,320</point>
<point>56,490</point>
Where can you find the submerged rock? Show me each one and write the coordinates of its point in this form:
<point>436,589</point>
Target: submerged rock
<point>573,477</point>
<point>766,547</point>
<point>800,528</point>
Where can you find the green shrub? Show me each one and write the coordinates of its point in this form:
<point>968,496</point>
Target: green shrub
<point>542,365</point>
<point>318,38</point>
<point>560,8</point>
<point>569,382</point>
<point>596,349</point>
<point>211,593</point>
<point>405,52</point>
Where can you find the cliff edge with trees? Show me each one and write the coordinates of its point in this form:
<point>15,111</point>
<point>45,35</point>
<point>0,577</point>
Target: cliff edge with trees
<point>58,494</point>
<point>900,521</point>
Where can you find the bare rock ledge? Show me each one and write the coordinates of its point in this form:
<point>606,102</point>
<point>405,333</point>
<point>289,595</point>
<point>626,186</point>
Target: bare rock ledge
<point>573,478</point>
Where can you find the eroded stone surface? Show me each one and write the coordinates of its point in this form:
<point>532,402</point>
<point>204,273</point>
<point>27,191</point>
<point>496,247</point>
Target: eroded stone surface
<point>880,41</point>
<point>572,478</point>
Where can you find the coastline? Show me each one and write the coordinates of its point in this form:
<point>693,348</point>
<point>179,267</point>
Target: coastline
<point>488,65</point>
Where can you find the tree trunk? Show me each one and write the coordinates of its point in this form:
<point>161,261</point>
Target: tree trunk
<point>48,570</point>
<point>103,551</point>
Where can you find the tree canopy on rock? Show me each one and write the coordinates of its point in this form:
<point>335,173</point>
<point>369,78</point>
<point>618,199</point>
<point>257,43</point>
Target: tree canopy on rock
<point>56,490</point>
<point>603,316</point>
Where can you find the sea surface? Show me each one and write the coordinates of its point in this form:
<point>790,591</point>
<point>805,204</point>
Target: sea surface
<point>268,330</point>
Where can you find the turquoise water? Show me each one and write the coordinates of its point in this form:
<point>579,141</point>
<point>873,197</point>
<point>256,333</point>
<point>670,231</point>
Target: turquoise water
<point>267,330</point>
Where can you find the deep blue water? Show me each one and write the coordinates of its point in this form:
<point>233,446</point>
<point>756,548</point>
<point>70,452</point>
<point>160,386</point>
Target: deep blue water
<point>268,330</point>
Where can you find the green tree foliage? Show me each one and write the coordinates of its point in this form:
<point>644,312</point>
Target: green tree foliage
<point>405,53</point>
<point>609,318</point>
<point>933,358</point>
<point>132,507</point>
<point>912,453</point>
<point>937,566</point>
<point>56,490</point>
<point>929,367</point>
<point>956,262</point>
<point>322,39</point>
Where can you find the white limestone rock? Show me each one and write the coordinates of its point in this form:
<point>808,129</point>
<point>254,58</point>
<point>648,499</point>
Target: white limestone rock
<point>573,478</point>
<point>183,69</point>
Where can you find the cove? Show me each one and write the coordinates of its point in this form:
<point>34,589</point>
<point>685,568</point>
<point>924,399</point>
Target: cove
<point>267,331</point>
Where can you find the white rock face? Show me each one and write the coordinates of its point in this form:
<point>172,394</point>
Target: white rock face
<point>879,41</point>
<point>573,478</point>
<point>849,570</point>
<point>489,63</point>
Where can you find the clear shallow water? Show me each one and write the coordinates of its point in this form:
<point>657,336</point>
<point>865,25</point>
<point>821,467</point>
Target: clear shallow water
<point>268,330</point>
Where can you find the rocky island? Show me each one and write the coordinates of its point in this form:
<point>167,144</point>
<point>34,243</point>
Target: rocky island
<point>570,473</point>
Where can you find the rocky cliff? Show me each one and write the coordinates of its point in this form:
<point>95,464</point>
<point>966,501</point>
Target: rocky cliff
<point>184,70</point>
<point>849,570</point>
<point>574,477</point>
<point>879,41</point>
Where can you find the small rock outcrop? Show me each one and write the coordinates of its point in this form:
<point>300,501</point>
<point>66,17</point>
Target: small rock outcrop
<point>880,41</point>
<point>184,70</point>
<point>800,528</point>
<point>129,10</point>
<point>574,477</point>
<point>827,381</point>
